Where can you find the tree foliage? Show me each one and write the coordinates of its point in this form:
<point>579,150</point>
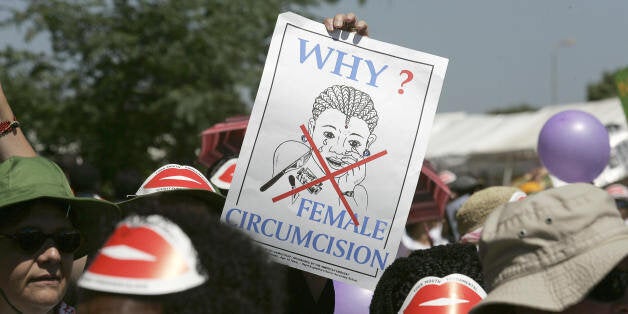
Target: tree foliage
<point>126,76</point>
<point>524,107</point>
<point>604,88</point>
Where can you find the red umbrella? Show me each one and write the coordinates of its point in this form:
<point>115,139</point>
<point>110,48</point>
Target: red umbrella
<point>222,139</point>
<point>430,197</point>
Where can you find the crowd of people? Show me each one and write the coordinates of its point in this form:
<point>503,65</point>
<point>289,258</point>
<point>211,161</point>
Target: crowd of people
<point>496,249</point>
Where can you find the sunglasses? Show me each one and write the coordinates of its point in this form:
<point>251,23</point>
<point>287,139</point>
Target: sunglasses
<point>611,288</point>
<point>31,239</point>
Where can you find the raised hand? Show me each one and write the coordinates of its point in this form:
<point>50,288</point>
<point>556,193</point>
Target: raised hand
<point>346,22</point>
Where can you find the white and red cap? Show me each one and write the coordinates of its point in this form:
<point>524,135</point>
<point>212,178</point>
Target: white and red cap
<point>452,294</point>
<point>617,191</point>
<point>145,255</point>
<point>173,178</point>
<point>224,175</point>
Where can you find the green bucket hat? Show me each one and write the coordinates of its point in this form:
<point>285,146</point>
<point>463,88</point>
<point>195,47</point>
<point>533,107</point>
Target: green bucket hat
<point>28,178</point>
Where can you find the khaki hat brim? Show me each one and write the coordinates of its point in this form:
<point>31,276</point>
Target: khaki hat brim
<point>558,287</point>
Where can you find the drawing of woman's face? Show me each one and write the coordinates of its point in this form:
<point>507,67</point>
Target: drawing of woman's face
<point>340,145</point>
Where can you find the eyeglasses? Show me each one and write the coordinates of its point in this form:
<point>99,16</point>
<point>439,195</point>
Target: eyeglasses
<point>611,288</point>
<point>31,239</point>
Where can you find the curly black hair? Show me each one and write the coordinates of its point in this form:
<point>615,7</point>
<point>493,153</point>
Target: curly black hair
<point>241,277</point>
<point>438,261</point>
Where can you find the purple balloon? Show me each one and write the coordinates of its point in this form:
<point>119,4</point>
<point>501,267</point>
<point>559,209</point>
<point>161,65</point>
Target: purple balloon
<point>574,146</point>
<point>351,299</point>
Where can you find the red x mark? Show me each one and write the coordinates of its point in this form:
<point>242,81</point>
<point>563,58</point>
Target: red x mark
<point>329,175</point>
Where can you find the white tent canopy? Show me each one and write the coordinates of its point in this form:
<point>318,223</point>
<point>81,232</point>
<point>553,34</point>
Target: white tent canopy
<point>463,134</point>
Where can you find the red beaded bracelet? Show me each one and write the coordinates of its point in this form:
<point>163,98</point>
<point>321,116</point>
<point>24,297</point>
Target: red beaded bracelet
<point>8,126</point>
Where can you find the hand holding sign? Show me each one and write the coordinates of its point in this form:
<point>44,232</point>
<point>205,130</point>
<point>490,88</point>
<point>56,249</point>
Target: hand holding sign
<point>347,22</point>
<point>337,90</point>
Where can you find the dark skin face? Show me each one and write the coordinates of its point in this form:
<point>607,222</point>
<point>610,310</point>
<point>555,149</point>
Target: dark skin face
<point>118,304</point>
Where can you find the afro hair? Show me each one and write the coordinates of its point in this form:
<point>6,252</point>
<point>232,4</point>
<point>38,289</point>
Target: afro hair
<point>439,261</point>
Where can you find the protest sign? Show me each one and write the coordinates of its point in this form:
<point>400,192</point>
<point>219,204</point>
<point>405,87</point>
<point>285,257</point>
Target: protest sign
<point>367,107</point>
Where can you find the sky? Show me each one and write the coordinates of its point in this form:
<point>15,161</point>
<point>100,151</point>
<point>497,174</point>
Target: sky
<point>500,51</point>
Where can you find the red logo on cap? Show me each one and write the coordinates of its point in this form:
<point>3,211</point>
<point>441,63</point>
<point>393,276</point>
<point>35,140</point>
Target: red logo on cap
<point>178,177</point>
<point>224,175</point>
<point>227,176</point>
<point>138,252</point>
<point>444,296</point>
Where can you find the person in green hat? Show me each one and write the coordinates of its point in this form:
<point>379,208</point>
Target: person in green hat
<point>40,216</point>
<point>43,226</point>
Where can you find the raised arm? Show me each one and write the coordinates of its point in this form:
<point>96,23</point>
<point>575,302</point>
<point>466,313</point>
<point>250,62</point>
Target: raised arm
<point>12,140</point>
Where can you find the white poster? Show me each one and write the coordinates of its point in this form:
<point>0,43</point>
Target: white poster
<point>367,106</point>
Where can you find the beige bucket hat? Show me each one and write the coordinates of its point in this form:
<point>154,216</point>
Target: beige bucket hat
<point>474,211</point>
<point>547,251</point>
